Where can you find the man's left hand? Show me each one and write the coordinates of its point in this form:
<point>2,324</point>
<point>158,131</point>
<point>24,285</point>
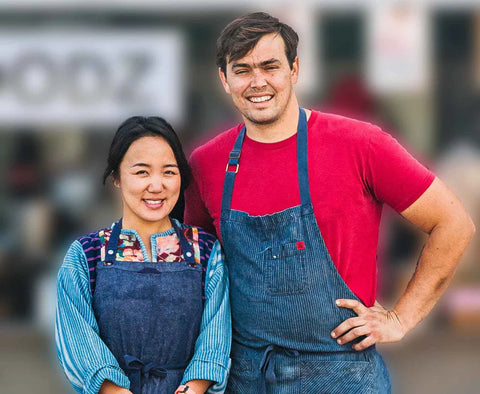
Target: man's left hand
<point>376,323</point>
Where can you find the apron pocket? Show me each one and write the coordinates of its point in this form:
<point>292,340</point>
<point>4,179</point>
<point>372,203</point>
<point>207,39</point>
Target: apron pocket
<point>338,377</point>
<point>285,270</point>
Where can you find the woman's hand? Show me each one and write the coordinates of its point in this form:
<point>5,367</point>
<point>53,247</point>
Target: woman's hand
<point>183,388</point>
<point>196,386</point>
<point>111,388</point>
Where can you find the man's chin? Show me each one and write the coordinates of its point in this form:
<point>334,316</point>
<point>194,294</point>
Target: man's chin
<point>263,119</point>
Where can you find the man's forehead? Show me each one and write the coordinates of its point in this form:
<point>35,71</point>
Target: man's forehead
<point>269,47</point>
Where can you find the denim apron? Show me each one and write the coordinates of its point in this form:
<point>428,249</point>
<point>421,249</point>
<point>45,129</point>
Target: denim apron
<point>283,287</point>
<point>149,315</point>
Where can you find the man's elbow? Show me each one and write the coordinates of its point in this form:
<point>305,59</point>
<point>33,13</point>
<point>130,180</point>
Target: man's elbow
<point>464,228</point>
<point>468,227</point>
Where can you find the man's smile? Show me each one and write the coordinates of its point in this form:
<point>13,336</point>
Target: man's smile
<point>260,99</point>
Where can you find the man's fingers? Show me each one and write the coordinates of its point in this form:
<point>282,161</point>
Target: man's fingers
<point>362,345</point>
<point>353,334</point>
<point>357,306</point>
<point>347,325</point>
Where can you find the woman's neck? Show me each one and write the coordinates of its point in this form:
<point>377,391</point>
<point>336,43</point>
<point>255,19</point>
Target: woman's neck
<point>145,230</point>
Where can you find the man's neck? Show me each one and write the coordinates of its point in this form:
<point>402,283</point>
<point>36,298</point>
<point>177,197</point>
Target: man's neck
<point>279,130</point>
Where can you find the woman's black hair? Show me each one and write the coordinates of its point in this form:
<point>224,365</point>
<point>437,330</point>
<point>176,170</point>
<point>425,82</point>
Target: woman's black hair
<point>137,127</point>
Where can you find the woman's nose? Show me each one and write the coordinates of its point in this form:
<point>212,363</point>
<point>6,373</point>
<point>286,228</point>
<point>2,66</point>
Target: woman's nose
<point>156,184</point>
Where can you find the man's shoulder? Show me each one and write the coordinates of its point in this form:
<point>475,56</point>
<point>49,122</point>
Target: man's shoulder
<point>216,147</point>
<point>341,127</point>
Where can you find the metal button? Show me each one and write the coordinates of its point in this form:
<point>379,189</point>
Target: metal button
<point>188,254</point>
<point>274,257</point>
<point>110,252</point>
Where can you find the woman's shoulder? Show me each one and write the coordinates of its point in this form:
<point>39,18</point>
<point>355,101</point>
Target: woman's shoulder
<point>95,235</point>
<point>202,234</point>
<point>89,244</point>
<point>205,240</point>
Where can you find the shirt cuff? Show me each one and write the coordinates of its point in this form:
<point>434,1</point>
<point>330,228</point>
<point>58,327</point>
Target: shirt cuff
<point>205,370</point>
<point>110,372</point>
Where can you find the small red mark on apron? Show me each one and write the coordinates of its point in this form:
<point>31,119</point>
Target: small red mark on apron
<point>300,245</point>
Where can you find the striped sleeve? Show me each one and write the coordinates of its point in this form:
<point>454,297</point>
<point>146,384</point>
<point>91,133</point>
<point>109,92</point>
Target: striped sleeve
<point>84,357</point>
<point>212,348</point>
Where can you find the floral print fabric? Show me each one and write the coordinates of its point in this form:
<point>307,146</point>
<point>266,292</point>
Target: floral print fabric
<point>166,245</point>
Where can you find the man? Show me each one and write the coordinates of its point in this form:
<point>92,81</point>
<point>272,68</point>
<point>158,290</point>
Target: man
<point>298,209</point>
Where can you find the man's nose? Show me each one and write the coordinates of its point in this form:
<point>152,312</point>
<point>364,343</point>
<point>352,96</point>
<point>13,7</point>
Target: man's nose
<point>258,79</point>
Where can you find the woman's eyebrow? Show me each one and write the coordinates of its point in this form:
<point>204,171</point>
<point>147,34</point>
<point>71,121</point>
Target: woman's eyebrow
<point>141,165</point>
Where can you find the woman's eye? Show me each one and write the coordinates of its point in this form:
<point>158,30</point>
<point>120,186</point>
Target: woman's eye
<point>141,172</point>
<point>170,172</point>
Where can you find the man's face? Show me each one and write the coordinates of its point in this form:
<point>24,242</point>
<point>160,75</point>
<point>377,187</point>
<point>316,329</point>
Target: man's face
<point>261,83</point>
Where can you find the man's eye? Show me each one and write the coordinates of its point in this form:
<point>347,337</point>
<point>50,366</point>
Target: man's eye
<point>271,67</point>
<point>238,72</point>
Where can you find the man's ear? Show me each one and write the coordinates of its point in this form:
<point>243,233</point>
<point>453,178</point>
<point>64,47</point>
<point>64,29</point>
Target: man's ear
<point>223,78</point>
<point>116,182</point>
<point>294,71</point>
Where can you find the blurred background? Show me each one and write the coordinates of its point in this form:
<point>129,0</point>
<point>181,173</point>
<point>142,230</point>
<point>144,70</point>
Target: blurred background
<point>71,71</point>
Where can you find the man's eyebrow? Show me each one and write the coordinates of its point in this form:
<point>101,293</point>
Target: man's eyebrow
<point>240,65</point>
<point>262,64</point>
<point>269,61</point>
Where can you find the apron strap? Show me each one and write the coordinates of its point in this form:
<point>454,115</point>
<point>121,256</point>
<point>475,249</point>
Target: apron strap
<point>302,163</point>
<point>302,158</point>
<point>233,161</point>
<point>113,243</point>
<point>187,249</point>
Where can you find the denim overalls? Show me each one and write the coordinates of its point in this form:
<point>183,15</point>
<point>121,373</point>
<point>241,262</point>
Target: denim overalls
<point>149,315</point>
<point>283,287</point>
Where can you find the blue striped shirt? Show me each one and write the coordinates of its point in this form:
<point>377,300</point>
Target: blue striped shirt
<point>87,361</point>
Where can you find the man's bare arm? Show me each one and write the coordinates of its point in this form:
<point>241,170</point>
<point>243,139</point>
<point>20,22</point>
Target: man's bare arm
<point>440,214</point>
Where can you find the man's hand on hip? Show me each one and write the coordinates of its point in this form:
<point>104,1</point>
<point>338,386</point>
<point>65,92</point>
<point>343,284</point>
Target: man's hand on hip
<point>377,324</point>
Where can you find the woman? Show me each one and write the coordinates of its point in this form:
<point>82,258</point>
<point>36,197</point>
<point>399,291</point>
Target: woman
<point>136,311</point>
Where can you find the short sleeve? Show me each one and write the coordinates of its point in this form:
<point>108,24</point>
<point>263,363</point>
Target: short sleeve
<point>196,212</point>
<point>394,176</point>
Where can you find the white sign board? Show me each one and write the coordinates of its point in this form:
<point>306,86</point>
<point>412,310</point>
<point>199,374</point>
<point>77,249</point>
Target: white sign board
<point>398,55</point>
<point>90,77</point>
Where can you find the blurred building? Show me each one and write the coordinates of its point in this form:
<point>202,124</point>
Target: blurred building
<point>71,71</point>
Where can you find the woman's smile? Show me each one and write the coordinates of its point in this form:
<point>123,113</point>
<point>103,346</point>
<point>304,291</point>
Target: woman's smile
<point>149,183</point>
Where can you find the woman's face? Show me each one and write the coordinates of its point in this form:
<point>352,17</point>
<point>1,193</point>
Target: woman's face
<point>149,183</point>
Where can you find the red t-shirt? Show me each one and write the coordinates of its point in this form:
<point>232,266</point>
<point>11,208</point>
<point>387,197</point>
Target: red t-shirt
<point>354,168</point>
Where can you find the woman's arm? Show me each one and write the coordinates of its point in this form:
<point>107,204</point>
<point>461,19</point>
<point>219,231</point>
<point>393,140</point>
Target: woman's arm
<point>111,388</point>
<point>85,359</point>
<point>212,348</point>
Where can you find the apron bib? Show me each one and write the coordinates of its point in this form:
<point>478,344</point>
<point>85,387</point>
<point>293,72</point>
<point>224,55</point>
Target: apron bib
<point>149,315</point>
<point>283,287</point>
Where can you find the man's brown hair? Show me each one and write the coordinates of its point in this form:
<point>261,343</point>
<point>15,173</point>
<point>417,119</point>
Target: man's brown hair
<point>242,34</point>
